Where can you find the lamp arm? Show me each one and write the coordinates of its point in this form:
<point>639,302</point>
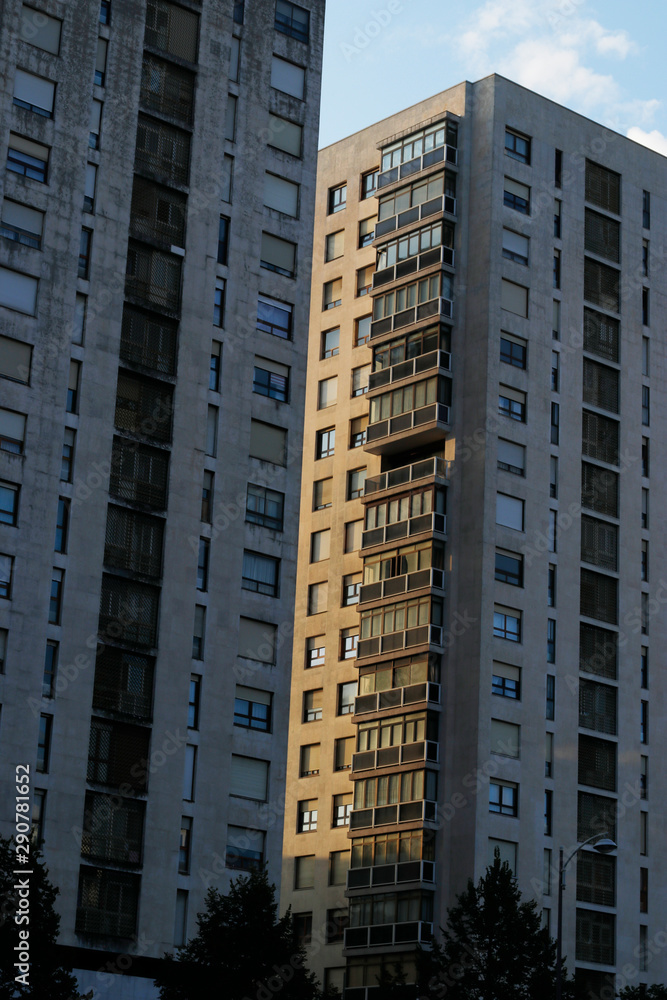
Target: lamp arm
<point>596,836</point>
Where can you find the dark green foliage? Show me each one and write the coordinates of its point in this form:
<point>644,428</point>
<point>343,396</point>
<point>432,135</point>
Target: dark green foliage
<point>655,992</point>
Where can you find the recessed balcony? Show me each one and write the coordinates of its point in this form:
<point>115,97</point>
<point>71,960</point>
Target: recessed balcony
<point>439,255</point>
<point>395,479</point>
<point>396,874</point>
<point>404,753</point>
<point>398,697</point>
<point>423,426</point>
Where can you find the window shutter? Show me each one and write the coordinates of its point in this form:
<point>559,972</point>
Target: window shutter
<point>34,90</point>
<point>189,772</point>
<point>12,425</point>
<point>30,148</point>
<point>22,217</point>
<point>505,738</point>
<point>340,862</point>
<point>599,596</point>
<point>310,759</point>
<point>333,291</point>
<point>282,195</point>
<point>601,385</point>
<point>507,670</point>
<point>521,190</point>
<point>268,443</point>
<point>257,640</point>
<point>335,245</point>
<point>506,849</point>
<point>514,394</point>
<point>249,777</point>
<point>328,392</point>
<point>598,650</point>
<point>95,116</point>
<point>288,77</point>
<point>509,511</point>
<point>305,871</point>
<point>18,291</point>
<point>272,366</point>
<point>597,763</point>
<point>285,135</point>
<point>91,178</point>
<point>322,493</point>
<point>253,694</point>
<point>320,543</point>
<point>515,243</point>
<point>101,57</point>
<point>602,236</point>
<point>514,298</point>
<point>230,117</point>
<point>511,454</point>
<point>278,254</point>
<point>40,30</point>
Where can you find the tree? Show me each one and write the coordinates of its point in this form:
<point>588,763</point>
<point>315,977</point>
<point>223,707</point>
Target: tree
<point>494,947</point>
<point>654,992</point>
<point>242,949</point>
<point>46,977</point>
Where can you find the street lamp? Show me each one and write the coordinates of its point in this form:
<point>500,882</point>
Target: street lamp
<point>604,846</point>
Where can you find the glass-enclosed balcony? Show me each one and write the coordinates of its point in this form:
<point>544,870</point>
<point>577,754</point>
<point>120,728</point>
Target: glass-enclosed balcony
<point>399,697</point>
<point>404,569</point>
<point>421,408</point>
<point>440,361</point>
<point>434,144</point>
<point>386,935</point>
<point>401,517</point>
<point>406,475</point>
<point>417,202</point>
<point>417,302</point>
<point>426,247</point>
<point>414,622</point>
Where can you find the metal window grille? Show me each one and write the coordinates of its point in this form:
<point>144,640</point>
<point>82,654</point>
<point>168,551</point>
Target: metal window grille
<point>162,150</point>
<point>596,879</point>
<point>133,541</point>
<point>167,89</point>
<point>153,276</point>
<point>602,285</point>
<point>112,829</point>
<point>599,596</point>
<point>117,755</point>
<point>599,489</point>
<point>602,236</point>
<point>599,542</point>
<point>597,763</point>
<point>601,385</point>
<point>148,340</point>
<point>595,814</point>
<point>144,406</point>
<point>124,683</point>
<point>595,937</point>
<point>139,474</point>
<point>601,335</point>
<point>599,437</point>
<point>108,902</point>
<point>172,29</point>
<point>158,213</point>
<point>603,187</point>
<point>598,650</point>
<point>598,707</point>
<point>129,611</point>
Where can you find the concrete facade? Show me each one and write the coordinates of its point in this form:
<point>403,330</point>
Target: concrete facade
<point>541,676</point>
<point>196,189</point>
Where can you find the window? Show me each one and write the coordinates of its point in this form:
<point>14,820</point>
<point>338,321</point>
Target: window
<point>84,253</point>
<point>312,705</point>
<point>515,246</point>
<point>509,511</point>
<point>239,10</point>
<point>261,573</point>
<point>245,848</point>
<point>555,371</point>
<point>365,280</point>
<point>555,321</point>
<point>288,77</point>
<point>317,597</point>
<point>517,196</point>
<point>551,586</point>
<point>322,493</point>
<point>62,524</point>
<point>643,833</point>
<point>67,459</point>
<point>332,293</point>
<point>504,798</point>
<point>514,298</point>
<point>257,640</point>
<point>349,641</point>
<point>12,431</point>
<point>202,564</point>
<point>34,93</point>
<point>555,423</point>
<point>351,588</point>
<point>193,701</point>
<point>512,403</point>
<point>362,330</point>
<point>40,30</point>
<point>219,302</point>
<point>15,360</point>
<point>320,543</point>
<point>292,20</point>
<point>509,568</point>
<point>645,263</point>
<point>184,845</point>
<point>557,218</point>
<point>281,195</point>
<point>18,291</point>
<point>249,778</point>
<point>285,135</point>
<point>38,816</point>
<point>3,650</point>
<point>353,530</point>
<point>513,350</point>
<point>644,508</point>
<point>356,479</point>
<point>646,405</point>
<point>549,757</point>
<point>645,457</point>
<point>643,726</point>
<point>271,379</point>
<point>307,816</point>
<point>235,59</point>
<point>101,62</point>
<point>548,812</point>
<point>212,431</point>
<point>214,366</point>
<point>9,503</point>
<point>337,198</point>
<point>28,158</point>
<point>230,118</point>
<point>199,632</point>
<point>367,231</point>
<point>22,224</point>
<point>506,681</point>
<point>343,750</point>
<point>346,694</point>
<point>324,448</point>
<point>227,177</point>
<point>358,428</point>
<point>265,507</point>
<point>517,146</point>
<point>90,186</point>
<point>644,667</point>
<point>511,457</point>
<point>309,760</point>
<point>304,871</point>
<point>72,405</point>
<point>268,443</point>
<point>550,706</point>
<point>6,572</point>
<point>252,709</point>
<point>327,392</point>
<point>556,269</point>
<point>339,862</point>
<point>334,245</point>
<point>643,890</point>
<point>278,255</point>
<point>315,651</point>
<point>274,317</point>
<point>330,343</point>
<point>646,209</point>
<point>643,777</point>
<point>369,183</point>
<point>644,561</point>
<point>507,623</point>
<point>223,240</point>
<point>44,743</point>
<point>50,669</point>
<point>56,595</point>
<point>105,11</point>
<point>342,807</point>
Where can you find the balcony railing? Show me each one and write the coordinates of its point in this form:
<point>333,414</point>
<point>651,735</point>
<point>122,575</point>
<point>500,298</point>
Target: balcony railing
<point>418,213</point>
<point>404,529</point>
<point>404,753</point>
<point>422,810</point>
<point>403,871</point>
<point>395,478</point>
<point>439,255</point>
<point>397,697</point>
<point>388,934</point>
<point>404,584</point>
<point>433,361</point>
<point>415,314</point>
<point>413,419</point>
<point>122,850</point>
<point>391,642</point>
<point>410,167</point>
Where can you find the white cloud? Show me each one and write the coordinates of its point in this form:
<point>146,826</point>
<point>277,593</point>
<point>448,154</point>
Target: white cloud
<point>557,73</point>
<point>654,140</point>
<point>606,43</point>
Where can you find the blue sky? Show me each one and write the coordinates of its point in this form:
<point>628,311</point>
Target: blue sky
<point>594,57</point>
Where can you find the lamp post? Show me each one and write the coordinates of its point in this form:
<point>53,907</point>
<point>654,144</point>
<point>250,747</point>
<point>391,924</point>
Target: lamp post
<point>604,846</point>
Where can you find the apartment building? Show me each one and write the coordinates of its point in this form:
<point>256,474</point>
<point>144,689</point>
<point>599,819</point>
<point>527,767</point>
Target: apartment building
<point>479,606</point>
<point>157,191</point>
